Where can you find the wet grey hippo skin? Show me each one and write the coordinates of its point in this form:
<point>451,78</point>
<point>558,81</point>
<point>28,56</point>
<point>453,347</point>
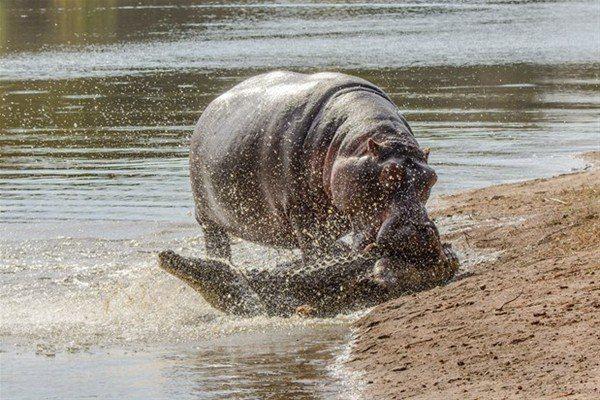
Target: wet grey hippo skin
<point>297,161</point>
<point>324,288</point>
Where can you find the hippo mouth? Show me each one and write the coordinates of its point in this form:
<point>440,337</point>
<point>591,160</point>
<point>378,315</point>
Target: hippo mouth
<point>412,264</point>
<point>417,252</point>
<point>399,272</point>
<point>422,259</point>
<point>399,237</point>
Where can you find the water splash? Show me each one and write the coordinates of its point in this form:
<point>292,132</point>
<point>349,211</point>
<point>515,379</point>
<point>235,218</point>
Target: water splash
<point>100,288</point>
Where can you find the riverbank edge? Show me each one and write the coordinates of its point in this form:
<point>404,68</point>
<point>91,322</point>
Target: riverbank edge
<point>523,317</point>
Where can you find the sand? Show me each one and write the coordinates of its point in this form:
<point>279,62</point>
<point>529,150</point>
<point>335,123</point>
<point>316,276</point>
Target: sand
<point>523,322</point>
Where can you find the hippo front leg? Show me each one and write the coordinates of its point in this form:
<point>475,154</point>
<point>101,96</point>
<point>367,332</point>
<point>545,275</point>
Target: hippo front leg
<point>220,283</point>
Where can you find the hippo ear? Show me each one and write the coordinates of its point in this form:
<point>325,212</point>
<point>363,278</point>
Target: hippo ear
<point>426,150</point>
<point>373,148</point>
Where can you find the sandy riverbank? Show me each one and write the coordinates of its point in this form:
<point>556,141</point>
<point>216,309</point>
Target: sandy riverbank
<point>522,323</point>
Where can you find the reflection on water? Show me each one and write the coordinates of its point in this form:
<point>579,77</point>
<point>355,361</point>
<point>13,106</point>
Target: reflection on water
<point>98,100</point>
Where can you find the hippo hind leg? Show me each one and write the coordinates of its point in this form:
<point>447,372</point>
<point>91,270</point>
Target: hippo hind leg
<point>216,241</point>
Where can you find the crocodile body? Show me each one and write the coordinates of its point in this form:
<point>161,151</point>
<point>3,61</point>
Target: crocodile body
<point>323,288</point>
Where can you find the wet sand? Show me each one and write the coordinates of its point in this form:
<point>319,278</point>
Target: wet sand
<point>522,323</point>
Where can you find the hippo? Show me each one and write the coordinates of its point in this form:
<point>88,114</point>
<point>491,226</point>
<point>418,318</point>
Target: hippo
<point>323,288</point>
<point>299,161</point>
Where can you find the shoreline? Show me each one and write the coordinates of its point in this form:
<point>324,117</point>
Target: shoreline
<point>522,316</point>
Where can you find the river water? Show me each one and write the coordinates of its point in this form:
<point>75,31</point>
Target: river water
<point>97,103</point>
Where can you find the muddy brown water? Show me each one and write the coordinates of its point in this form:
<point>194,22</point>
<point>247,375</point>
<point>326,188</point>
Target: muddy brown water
<point>97,103</point>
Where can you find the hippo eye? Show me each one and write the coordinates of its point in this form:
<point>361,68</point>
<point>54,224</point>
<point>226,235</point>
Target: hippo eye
<point>391,174</point>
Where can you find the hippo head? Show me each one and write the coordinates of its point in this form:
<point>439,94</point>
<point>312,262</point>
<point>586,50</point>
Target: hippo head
<point>383,190</point>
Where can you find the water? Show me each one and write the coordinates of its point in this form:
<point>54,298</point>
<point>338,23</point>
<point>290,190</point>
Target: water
<point>97,103</point>
<point>280,365</point>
